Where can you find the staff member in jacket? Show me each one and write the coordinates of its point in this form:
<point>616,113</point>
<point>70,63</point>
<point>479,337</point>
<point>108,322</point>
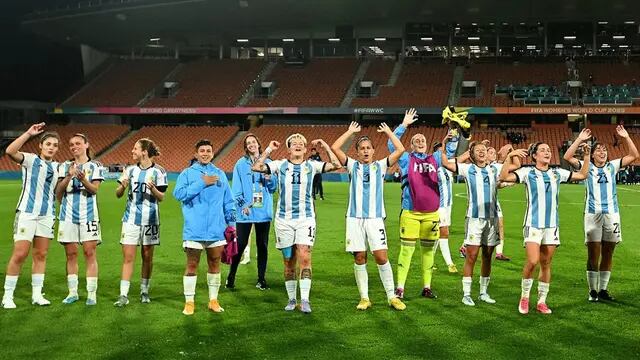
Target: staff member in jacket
<point>252,192</point>
<point>208,209</point>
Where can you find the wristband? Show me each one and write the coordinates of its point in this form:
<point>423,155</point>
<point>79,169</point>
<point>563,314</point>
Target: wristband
<point>268,150</point>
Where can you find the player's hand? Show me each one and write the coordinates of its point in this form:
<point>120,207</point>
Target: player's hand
<point>522,153</point>
<point>245,211</point>
<point>448,137</point>
<point>124,182</point>
<point>80,175</point>
<point>410,116</point>
<point>210,179</point>
<point>73,170</point>
<point>586,149</point>
<point>151,185</point>
<point>485,142</point>
<point>36,129</point>
<point>354,127</point>
<point>318,142</point>
<point>274,145</point>
<point>622,132</point>
<point>585,135</point>
<point>384,128</point>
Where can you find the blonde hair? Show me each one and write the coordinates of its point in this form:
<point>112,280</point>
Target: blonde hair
<point>296,136</point>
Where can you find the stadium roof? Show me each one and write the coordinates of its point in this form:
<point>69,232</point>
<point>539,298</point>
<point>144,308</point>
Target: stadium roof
<point>119,25</point>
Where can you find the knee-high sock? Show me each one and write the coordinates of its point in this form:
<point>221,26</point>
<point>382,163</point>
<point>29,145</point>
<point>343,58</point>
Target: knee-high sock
<point>593,279</point>
<point>446,253</point>
<point>426,249</point>
<point>213,280</point>
<point>404,261</point>
<point>386,275</point>
<point>362,280</point>
<point>189,285</point>
<point>500,247</point>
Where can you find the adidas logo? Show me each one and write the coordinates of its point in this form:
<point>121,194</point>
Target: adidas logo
<point>94,234</point>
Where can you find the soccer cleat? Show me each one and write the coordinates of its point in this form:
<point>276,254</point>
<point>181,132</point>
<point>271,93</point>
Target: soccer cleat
<point>604,295</point>
<point>214,306</point>
<point>189,308</point>
<point>144,298</point>
<point>467,300</point>
<point>262,285</point>
<point>41,301</point>
<point>400,293</point>
<point>8,303</point>
<point>305,307</point>
<point>543,309</point>
<point>426,292</point>
<point>463,251</point>
<point>453,269</point>
<point>364,304</point>
<point>593,296</point>
<point>230,283</point>
<point>486,298</point>
<point>291,305</point>
<point>397,304</point>
<point>523,307</point>
<point>122,301</point>
<point>90,302</point>
<point>70,299</point>
<point>502,257</point>
<point>245,260</point>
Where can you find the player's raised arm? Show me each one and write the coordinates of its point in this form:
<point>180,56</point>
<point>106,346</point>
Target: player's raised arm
<point>336,147</point>
<point>397,144</point>
<point>633,150</point>
<point>335,163</point>
<point>259,165</point>
<point>584,170</point>
<point>506,174</point>
<point>444,161</point>
<point>584,135</point>
<point>13,150</point>
<point>410,116</point>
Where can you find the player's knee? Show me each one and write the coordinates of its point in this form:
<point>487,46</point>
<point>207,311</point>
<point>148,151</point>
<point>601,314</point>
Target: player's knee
<point>289,274</point>
<point>20,255</point>
<point>360,258</point>
<point>39,255</point>
<point>305,273</point>
<point>89,253</point>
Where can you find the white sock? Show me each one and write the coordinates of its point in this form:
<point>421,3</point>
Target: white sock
<point>466,285</point>
<point>604,279</point>
<point>37,281</point>
<point>526,288</point>
<point>292,289</point>
<point>305,289</point>
<point>72,283</point>
<point>124,287</point>
<point>446,253</point>
<point>543,290</point>
<point>500,247</point>
<point>144,285</point>
<point>213,280</point>
<point>484,284</point>
<point>362,280</point>
<point>189,285</point>
<point>593,279</point>
<point>386,275</point>
<point>92,288</point>
<point>10,282</point>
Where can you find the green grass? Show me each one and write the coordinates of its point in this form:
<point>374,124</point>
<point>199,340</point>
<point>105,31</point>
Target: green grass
<point>255,326</point>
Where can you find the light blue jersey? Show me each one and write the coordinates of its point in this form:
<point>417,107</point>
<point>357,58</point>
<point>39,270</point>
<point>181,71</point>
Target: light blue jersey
<point>295,182</point>
<point>445,186</point>
<point>79,206</point>
<point>542,195</point>
<point>366,186</point>
<point>142,207</point>
<point>39,179</point>
<point>602,195</point>
<point>482,189</point>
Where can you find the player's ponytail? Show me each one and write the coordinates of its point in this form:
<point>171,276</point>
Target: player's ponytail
<point>149,146</point>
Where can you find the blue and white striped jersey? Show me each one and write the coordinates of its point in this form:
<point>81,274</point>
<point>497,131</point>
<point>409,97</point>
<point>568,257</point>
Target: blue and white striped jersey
<point>78,206</point>
<point>445,186</point>
<point>295,183</point>
<point>601,193</point>
<point>366,189</point>
<point>39,179</point>
<point>482,189</point>
<point>142,206</point>
<point>542,195</point>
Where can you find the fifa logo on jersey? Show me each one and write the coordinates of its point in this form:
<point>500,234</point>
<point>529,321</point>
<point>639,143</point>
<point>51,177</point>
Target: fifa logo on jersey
<point>423,167</point>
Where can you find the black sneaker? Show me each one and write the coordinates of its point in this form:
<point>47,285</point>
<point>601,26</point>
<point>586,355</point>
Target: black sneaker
<point>604,295</point>
<point>593,296</point>
<point>426,292</point>
<point>262,285</point>
<point>230,284</point>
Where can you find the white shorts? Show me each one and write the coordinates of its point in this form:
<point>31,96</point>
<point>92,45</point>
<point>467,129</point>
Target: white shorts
<point>481,232</point>
<point>544,236</point>
<point>445,216</point>
<point>201,245</point>
<point>602,227</point>
<point>295,232</point>
<point>363,233</point>
<point>140,234</point>
<point>499,210</point>
<point>78,233</point>
<point>27,226</point>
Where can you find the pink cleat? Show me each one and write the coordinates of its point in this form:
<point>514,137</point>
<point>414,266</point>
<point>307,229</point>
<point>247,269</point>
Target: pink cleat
<point>523,308</point>
<point>543,309</point>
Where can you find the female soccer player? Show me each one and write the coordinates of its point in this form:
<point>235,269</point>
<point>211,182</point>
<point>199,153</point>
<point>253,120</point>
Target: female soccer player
<point>209,211</point>
<point>254,206</point>
<point>481,224</point>
<point>541,223</point>
<point>445,186</point>
<point>365,214</point>
<point>147,183</point>
<point>35,213</point>
<point>77,190</point>
<point>493,158</point>
<point>295,223</point>
<point>419,219</point>
<point>601,213</point>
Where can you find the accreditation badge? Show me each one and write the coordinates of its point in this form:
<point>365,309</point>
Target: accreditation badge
<point>257,199</point>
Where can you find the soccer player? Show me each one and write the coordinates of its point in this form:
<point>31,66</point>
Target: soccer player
<point>445,186</point>
<point>254,208</point>
<point>77,190</point>
<point>365,214</point>
<point>601,213</point>
<point>541,223</point>
<point>147,183</point>
<point>419,219</point>
<point>35,213</point>
<point>209,211</point>
<point>481,225</point>
<point>295,222</point>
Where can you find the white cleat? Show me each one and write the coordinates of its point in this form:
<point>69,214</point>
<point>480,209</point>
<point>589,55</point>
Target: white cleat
<point>467,300</point>
<point>8,304</point>
<point>486,298</point>
<point>41,301</point>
